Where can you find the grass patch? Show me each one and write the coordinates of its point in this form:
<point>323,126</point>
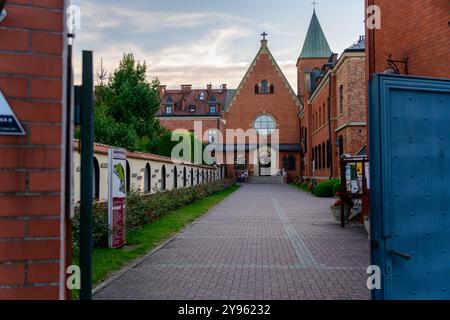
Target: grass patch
<point>141,241</point>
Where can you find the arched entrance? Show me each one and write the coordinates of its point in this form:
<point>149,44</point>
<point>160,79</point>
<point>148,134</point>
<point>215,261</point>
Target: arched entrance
<point>147,179</point>
<point>265,162</point>
<point>96,188</point>
<point>175,178</point>
<point>128,177</point>
<point>163,178</point>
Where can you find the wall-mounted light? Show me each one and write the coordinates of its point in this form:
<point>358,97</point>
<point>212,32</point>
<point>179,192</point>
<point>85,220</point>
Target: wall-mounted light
<point>393,68</point>
<point>3,12</point>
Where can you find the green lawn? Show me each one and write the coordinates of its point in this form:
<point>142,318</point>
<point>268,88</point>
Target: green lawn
<point>108,261</point>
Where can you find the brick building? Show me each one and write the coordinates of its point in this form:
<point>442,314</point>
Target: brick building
<point>333,121</point>
<point>422,38</point>
<point>422,35</point>
<point>32,219</point>
<point>264,101</point>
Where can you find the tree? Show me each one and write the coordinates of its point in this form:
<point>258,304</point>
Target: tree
<point>126,107</point>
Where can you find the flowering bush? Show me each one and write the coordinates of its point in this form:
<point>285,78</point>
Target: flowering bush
<point>144,209</point>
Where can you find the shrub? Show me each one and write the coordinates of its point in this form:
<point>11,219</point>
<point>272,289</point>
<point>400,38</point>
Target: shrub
<point>336,188</point>
<point>143,209</point>
<point>99,226</point>
<point>325,189</point>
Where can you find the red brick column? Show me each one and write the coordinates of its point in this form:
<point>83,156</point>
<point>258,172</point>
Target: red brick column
<point>31,219</point>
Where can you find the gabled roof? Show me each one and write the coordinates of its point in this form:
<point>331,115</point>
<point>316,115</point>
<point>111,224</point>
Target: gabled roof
<point>316,44</point>
<point>264,49</point>
<point>183,99</point>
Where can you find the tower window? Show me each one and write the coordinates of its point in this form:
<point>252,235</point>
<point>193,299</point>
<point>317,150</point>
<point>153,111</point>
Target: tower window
<point>264,86</point>
<point>341,99</point>
<point>272,89</point>
<point>257,88</point>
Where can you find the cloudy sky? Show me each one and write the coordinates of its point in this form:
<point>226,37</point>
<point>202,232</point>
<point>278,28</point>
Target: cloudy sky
<point>208,41</point>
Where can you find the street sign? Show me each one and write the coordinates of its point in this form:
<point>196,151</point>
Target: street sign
<point>117,197</point>
<point>9,125</point>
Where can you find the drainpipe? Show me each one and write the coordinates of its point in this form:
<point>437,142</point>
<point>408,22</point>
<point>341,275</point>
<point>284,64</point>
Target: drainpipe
<point>330,149</point>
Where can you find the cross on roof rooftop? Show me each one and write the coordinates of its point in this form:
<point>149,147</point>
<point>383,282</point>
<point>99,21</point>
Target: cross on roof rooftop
<point>264,34</point>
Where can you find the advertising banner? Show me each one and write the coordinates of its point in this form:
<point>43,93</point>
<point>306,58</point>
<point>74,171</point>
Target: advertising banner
<point>117,164</point>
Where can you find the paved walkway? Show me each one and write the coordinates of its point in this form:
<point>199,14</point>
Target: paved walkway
<point>263,242</point>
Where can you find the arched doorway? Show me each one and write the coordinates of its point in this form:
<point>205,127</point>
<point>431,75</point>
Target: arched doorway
<point>163,178</point>
<point>184,177</point>
<point>175,178</point>
<point>96,189</point>
<point>148,179</point>
<point>198,176</point>
<point>192,177</point>
<point>128,177</point>
<point>265,162</point>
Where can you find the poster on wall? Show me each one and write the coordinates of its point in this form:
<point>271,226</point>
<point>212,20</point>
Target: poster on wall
<point>117,163</point>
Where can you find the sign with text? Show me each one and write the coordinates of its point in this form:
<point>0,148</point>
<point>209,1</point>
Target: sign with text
<point>9,125</point>
<point>117,177</point>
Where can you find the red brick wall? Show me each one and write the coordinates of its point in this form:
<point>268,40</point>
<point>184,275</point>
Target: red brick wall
<point>320,125</point>
<point>349,73</point>
<point>188,124</point>
<point>31,78</point>
<point>280,105</point>
<point>417,29</point>
<point>306,65</point>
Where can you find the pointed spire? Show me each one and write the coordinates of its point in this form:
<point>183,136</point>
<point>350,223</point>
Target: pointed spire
<point>316,44</point>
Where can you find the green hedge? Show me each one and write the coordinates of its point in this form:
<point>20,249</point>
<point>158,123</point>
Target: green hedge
<point>326,188</point>
<point>337,187</point>
<point>144,209</point>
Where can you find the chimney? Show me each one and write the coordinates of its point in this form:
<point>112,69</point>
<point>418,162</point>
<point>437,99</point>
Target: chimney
<point>186,87</point>
<point>224,87</point>
<point>162,91</point>
<point>209,87</point>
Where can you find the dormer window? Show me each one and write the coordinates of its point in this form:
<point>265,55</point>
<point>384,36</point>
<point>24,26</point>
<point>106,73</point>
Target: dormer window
<point>169,110</point>
<point>201,97</point>
<point>192,108</point>
<point>212,108</point>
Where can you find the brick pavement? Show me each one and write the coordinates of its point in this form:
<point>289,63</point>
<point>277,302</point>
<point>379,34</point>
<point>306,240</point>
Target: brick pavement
<point>263,242</point>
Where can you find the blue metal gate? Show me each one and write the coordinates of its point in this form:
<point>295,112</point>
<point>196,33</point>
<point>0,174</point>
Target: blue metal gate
<point>410,181</point>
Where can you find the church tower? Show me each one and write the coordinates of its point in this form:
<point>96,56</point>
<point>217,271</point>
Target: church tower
<point>315,53</point>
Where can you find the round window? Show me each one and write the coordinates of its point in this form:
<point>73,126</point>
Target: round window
<point>264,125</point>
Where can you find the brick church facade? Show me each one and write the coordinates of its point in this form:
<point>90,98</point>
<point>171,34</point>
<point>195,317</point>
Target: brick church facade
<point>263,101</point>
<point>323,120</point>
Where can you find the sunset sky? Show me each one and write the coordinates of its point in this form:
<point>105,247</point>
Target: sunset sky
<point>208,41</point>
